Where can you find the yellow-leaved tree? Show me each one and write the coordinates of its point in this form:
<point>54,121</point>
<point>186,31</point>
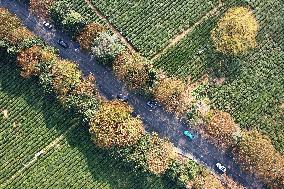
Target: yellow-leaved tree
<point>114,126</point>
<point>235,32</point>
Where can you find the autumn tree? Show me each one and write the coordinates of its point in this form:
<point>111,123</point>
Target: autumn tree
<point>114,126</point>
<point>170,92</point>
<point>206,180</point>
<point>28,60</point>
<point>65,77</point>
<point>20,34</point>
<point>8,24</point>
<point>134,70</point>
<point>88,34</point>
<point>221,127</point>
<point>84,98</point>
<point>236,32</point>
<point>41,7</point>
<point>105,47</point>
<point>152,153</point>
<point>256,154</point>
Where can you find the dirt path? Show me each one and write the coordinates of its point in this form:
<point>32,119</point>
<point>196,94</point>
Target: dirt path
<point>111,26</point>
<point>177,38</point>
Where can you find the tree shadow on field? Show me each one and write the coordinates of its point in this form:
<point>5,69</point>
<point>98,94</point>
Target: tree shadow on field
<point>32,93</point>
<point>222,66</point>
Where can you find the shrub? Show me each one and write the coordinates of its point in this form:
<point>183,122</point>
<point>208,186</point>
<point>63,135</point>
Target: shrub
<point>65,18</point>
<point>182,171</point>
<point>113,126</point>
<point>105,47</point>
<point>134,70</point>
<point>256,154</point>
<point>41,7</point>
<point>236,32</point>
<point>169,91</point>
<point>88,34</point>
<point>222,127</point>
<point>58,12</point>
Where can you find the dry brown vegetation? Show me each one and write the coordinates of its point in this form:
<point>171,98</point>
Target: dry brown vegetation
<point>256,154</point>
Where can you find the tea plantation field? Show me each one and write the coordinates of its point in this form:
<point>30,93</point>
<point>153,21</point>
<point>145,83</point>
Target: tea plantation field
<point>34,121</point>
<point>150,24</point>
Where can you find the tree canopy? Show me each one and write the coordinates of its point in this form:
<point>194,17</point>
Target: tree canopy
<point>41,7</point>
<point>8,24</point>
<point>105,47</point>
<point>114,126</point>
<point>170,92</point>
<point>222,127</point>
<point>65,77</point>
<point>256,154</point>
<point>236,31</point>
<point>88,34</point>
<point>151,153</point>
<point>133,69</point>
<point>29,59</point>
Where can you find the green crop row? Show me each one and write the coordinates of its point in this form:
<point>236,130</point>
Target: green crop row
<point>256,93</point>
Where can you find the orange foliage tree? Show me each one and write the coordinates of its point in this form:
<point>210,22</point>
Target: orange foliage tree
<point>256,154</point>
<point>114,126</point>
<point>29,59</point>
<point>133,69</point>
<point>206,180</point>
<point>41,7</point>
<point>88,34</point>
<point>170,92</point>
<point>222,127</point>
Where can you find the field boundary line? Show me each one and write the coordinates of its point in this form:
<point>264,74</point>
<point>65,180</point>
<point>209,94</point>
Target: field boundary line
<point>40,153</point>
<point>111,26</point>
<point>177,38</point>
